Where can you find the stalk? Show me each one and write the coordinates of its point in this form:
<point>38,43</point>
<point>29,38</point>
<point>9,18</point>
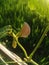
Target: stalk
<point>20,45</point>
<point>40,41</point>
<point>27,59</point>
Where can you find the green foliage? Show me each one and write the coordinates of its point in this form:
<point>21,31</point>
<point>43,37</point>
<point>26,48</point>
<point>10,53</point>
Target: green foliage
<point>15,13</point>
<point>41,6</point>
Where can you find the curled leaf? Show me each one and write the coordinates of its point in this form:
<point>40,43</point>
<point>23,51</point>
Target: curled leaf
<point>25,31</point>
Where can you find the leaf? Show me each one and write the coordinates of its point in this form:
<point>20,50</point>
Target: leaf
<point>25,31</point>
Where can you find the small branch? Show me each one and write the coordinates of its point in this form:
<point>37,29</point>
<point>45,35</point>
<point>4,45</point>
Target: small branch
<point>29,60</point>
<point>23,49</point>
<point>3,60</point>
<point>20,45</point>
<point>40,41</point>
<point>33,62</point>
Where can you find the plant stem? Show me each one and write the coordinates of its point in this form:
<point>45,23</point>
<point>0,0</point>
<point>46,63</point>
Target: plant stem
<point>33,62</point>
<point>20,45</point>
<point>23,49</point>
<point>9,62</point>
<point>27,58</point>
<point>3,60</point>
<point>40,41</point>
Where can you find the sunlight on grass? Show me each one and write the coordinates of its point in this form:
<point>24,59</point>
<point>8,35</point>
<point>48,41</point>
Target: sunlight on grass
<point>31,5</point>
<point>47,1</point>
<point>41,6</point>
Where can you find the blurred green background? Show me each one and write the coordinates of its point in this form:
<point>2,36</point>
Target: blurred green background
<point>36,14</point>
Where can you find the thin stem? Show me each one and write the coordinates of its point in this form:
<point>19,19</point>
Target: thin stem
<point>23,49</point>
<point>40,41</point>
<point>9,62</point>
<point>3,60</point>
<point>20,45</point>
<point>33,62</point>
<point>29,60</point>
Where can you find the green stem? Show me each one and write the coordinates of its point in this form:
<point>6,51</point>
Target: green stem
<point>22,49</point>
<point>20,45</point>
<point>28,59</point>
<point>9,62</point>
<point>40,41</point>
<point>33,62</point>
